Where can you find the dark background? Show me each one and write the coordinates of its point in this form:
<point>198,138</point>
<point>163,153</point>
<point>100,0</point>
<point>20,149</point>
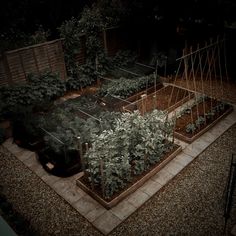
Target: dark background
<point>164,25</point>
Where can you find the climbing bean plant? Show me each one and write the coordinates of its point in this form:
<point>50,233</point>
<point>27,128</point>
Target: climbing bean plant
<point>134,144</point>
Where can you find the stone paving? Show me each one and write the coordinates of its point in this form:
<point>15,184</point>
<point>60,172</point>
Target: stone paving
<point>106,220</point>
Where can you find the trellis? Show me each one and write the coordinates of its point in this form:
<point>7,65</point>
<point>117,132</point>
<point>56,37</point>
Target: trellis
<point>205,64</point>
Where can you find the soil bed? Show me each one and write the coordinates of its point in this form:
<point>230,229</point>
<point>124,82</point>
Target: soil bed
<point>118,104</point>
<point>197,111</point>
<point>134,184</point>
<point>161,100</point>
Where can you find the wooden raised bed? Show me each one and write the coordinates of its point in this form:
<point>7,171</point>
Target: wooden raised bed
<point>108,204</point>
<point>118,104</point>
<point>189,137</point>
<point>179,97</point>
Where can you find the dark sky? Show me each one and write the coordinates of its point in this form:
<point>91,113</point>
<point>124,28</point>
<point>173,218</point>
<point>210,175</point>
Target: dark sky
<point>28,14</point>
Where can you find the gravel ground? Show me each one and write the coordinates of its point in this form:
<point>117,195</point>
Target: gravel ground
<point>191,204</point>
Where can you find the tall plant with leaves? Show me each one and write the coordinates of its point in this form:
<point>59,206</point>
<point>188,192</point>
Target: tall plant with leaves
<point>129,148</point>
<point>70,31</point>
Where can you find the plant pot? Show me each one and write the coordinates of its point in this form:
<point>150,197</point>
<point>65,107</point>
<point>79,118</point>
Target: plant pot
<point>55,164</point>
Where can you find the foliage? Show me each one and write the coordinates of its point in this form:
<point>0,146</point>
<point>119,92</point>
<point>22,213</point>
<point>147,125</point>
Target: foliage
<point>70,32</point>
<point>124,58</point>
<point>39,36</point>
<point>200,121</point>
<point>124,88</point>
<point>190,128</point>
<point>64,130</point>
<point>130,147</point>
<point>14,38</point>
<point>40,88</point>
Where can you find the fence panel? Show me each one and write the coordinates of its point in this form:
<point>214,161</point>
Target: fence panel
<point>15,65</point>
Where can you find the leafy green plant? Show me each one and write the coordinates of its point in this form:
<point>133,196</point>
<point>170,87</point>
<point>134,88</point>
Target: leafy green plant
<point>133,144</point>
<point>190,128</point>
<point>39,36</point>
<point>39,89</point>
<point>124,88</point>
<point>200,121</point>
<point>71,33</point>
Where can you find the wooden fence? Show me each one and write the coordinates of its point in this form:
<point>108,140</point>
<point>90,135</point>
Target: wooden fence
<point>15,65</point>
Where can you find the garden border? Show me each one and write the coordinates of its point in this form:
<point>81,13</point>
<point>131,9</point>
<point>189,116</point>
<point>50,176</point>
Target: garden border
<point>109,204</point>
<point>196,136</point>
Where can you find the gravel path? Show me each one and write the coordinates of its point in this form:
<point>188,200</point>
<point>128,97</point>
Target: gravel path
<point>191,204</point>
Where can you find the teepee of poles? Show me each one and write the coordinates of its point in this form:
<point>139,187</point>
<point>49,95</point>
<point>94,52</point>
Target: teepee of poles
<point>204,71</point>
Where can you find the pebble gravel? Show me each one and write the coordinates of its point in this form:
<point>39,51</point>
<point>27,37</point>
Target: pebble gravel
<point>191,204</point>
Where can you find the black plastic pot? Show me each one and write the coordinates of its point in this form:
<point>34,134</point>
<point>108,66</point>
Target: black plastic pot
<point>60,166</point>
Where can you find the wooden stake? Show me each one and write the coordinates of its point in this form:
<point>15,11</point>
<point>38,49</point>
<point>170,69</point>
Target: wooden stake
<point>102,177</point>
<point>81,153</point>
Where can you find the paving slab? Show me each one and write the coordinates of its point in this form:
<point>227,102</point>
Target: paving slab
<point>87,204</point>
<point>150,187</point>
<point>162,177</point>
<point>62,185</point>
<point>183,159</point>
<point>95,213</point>
<point>106,222</point>
<point>173,167</point>
<point>50,179</point>
<point>24,155</point>
<point>123,209</point>
<point>138,198</point>
<point>72,194</point>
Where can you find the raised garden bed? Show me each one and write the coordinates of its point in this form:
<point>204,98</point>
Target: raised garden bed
<point>161,100</point>
<point>187,131</point>
<point>118,105</point>
<point>137,181</point>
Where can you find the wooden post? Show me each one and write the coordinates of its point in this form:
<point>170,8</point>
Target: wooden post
<point>202,86</point>
<point>194,83</point>
<point>102,177</point>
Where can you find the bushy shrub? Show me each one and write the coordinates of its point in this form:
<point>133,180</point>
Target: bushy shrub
<point>39,89</point>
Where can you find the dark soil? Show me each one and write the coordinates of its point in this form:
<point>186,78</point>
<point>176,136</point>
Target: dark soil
<point>198,110</point>
<point>117,104</point>
<point>134,178</point>
<point>164,99</point>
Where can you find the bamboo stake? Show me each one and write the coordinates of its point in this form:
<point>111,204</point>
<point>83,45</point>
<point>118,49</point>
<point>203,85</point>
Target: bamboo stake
<point>81,153</point>
<point>194,83</point>
<point>187,83</point>
<point>102,177</point>
<point>172,90</point>
<point>221,80</point>
<point>209,71</point>
<point>202,86</point>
